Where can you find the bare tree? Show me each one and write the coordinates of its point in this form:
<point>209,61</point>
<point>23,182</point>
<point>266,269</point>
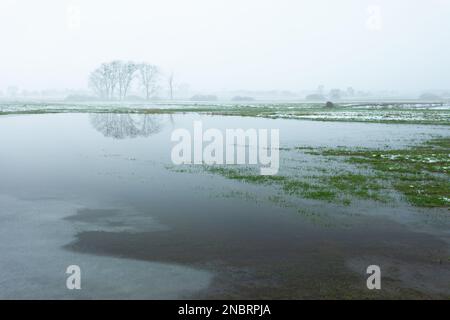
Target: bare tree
<point>170,82</point>
<point>148,76</point>
<point>104,79</point>
<point>96,84</point>
<point>99,81</point>
<point>113,76</point>
<point>126,74</point>
<point>113,80</point>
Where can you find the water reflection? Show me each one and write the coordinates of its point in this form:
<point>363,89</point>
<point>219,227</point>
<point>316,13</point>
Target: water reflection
<point>122,126</point>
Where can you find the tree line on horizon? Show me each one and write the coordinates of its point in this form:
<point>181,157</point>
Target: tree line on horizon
<point>113,80</point>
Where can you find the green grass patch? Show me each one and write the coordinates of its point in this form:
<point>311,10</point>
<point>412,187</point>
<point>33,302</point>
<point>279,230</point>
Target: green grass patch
<point>332,188</point>
<point>421,173</point>
<point>244,175</point>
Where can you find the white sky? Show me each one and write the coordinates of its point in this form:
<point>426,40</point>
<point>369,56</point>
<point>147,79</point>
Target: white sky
<point>231,44</point>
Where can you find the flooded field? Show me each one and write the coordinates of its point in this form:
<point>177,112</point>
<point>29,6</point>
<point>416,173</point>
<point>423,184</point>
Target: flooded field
<point>410,112</point>
<point>99,190</point>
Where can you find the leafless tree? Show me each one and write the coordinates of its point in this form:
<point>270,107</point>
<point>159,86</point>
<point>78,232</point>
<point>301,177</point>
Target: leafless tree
<point>99,83</point>
<point>113,76</point>
<point>148,76</point>
<point>170,82</point>
<point>103,80</point>
<point>113,80</point>
<point>126,74</point>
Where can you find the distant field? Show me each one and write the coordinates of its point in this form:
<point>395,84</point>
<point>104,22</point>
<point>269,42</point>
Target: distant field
<point>381,112</point>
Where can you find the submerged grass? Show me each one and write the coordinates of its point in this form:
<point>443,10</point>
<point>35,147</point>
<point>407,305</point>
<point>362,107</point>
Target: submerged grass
<point>335,188</point>
<point>421,173</point>
<point>244,175</point>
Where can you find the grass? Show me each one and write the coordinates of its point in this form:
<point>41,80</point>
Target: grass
<point>362,186</point>
<point>331,188</point>
<point>370,112</point>
<point>244,175</point>
<point>421,173</point>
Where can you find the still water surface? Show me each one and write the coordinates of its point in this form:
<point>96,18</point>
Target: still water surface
<point>98,191</point>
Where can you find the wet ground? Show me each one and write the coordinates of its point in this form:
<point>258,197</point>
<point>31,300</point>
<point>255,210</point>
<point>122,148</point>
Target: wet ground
<point>99,191</point>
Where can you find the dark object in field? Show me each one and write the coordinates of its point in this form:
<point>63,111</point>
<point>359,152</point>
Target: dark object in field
<point>329,104</point>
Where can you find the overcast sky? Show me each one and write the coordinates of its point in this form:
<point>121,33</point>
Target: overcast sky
<point>231,44</point>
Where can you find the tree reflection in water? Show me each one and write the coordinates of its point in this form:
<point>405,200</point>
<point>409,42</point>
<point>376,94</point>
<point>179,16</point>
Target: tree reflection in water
<point>122,126</point>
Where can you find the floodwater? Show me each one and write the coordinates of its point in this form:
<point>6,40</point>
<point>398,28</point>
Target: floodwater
<point>99,191</point>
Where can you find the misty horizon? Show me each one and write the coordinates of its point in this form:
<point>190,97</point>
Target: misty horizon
<point>230,46</point>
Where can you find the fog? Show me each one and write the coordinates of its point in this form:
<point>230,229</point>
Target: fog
<point>231,44</point>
